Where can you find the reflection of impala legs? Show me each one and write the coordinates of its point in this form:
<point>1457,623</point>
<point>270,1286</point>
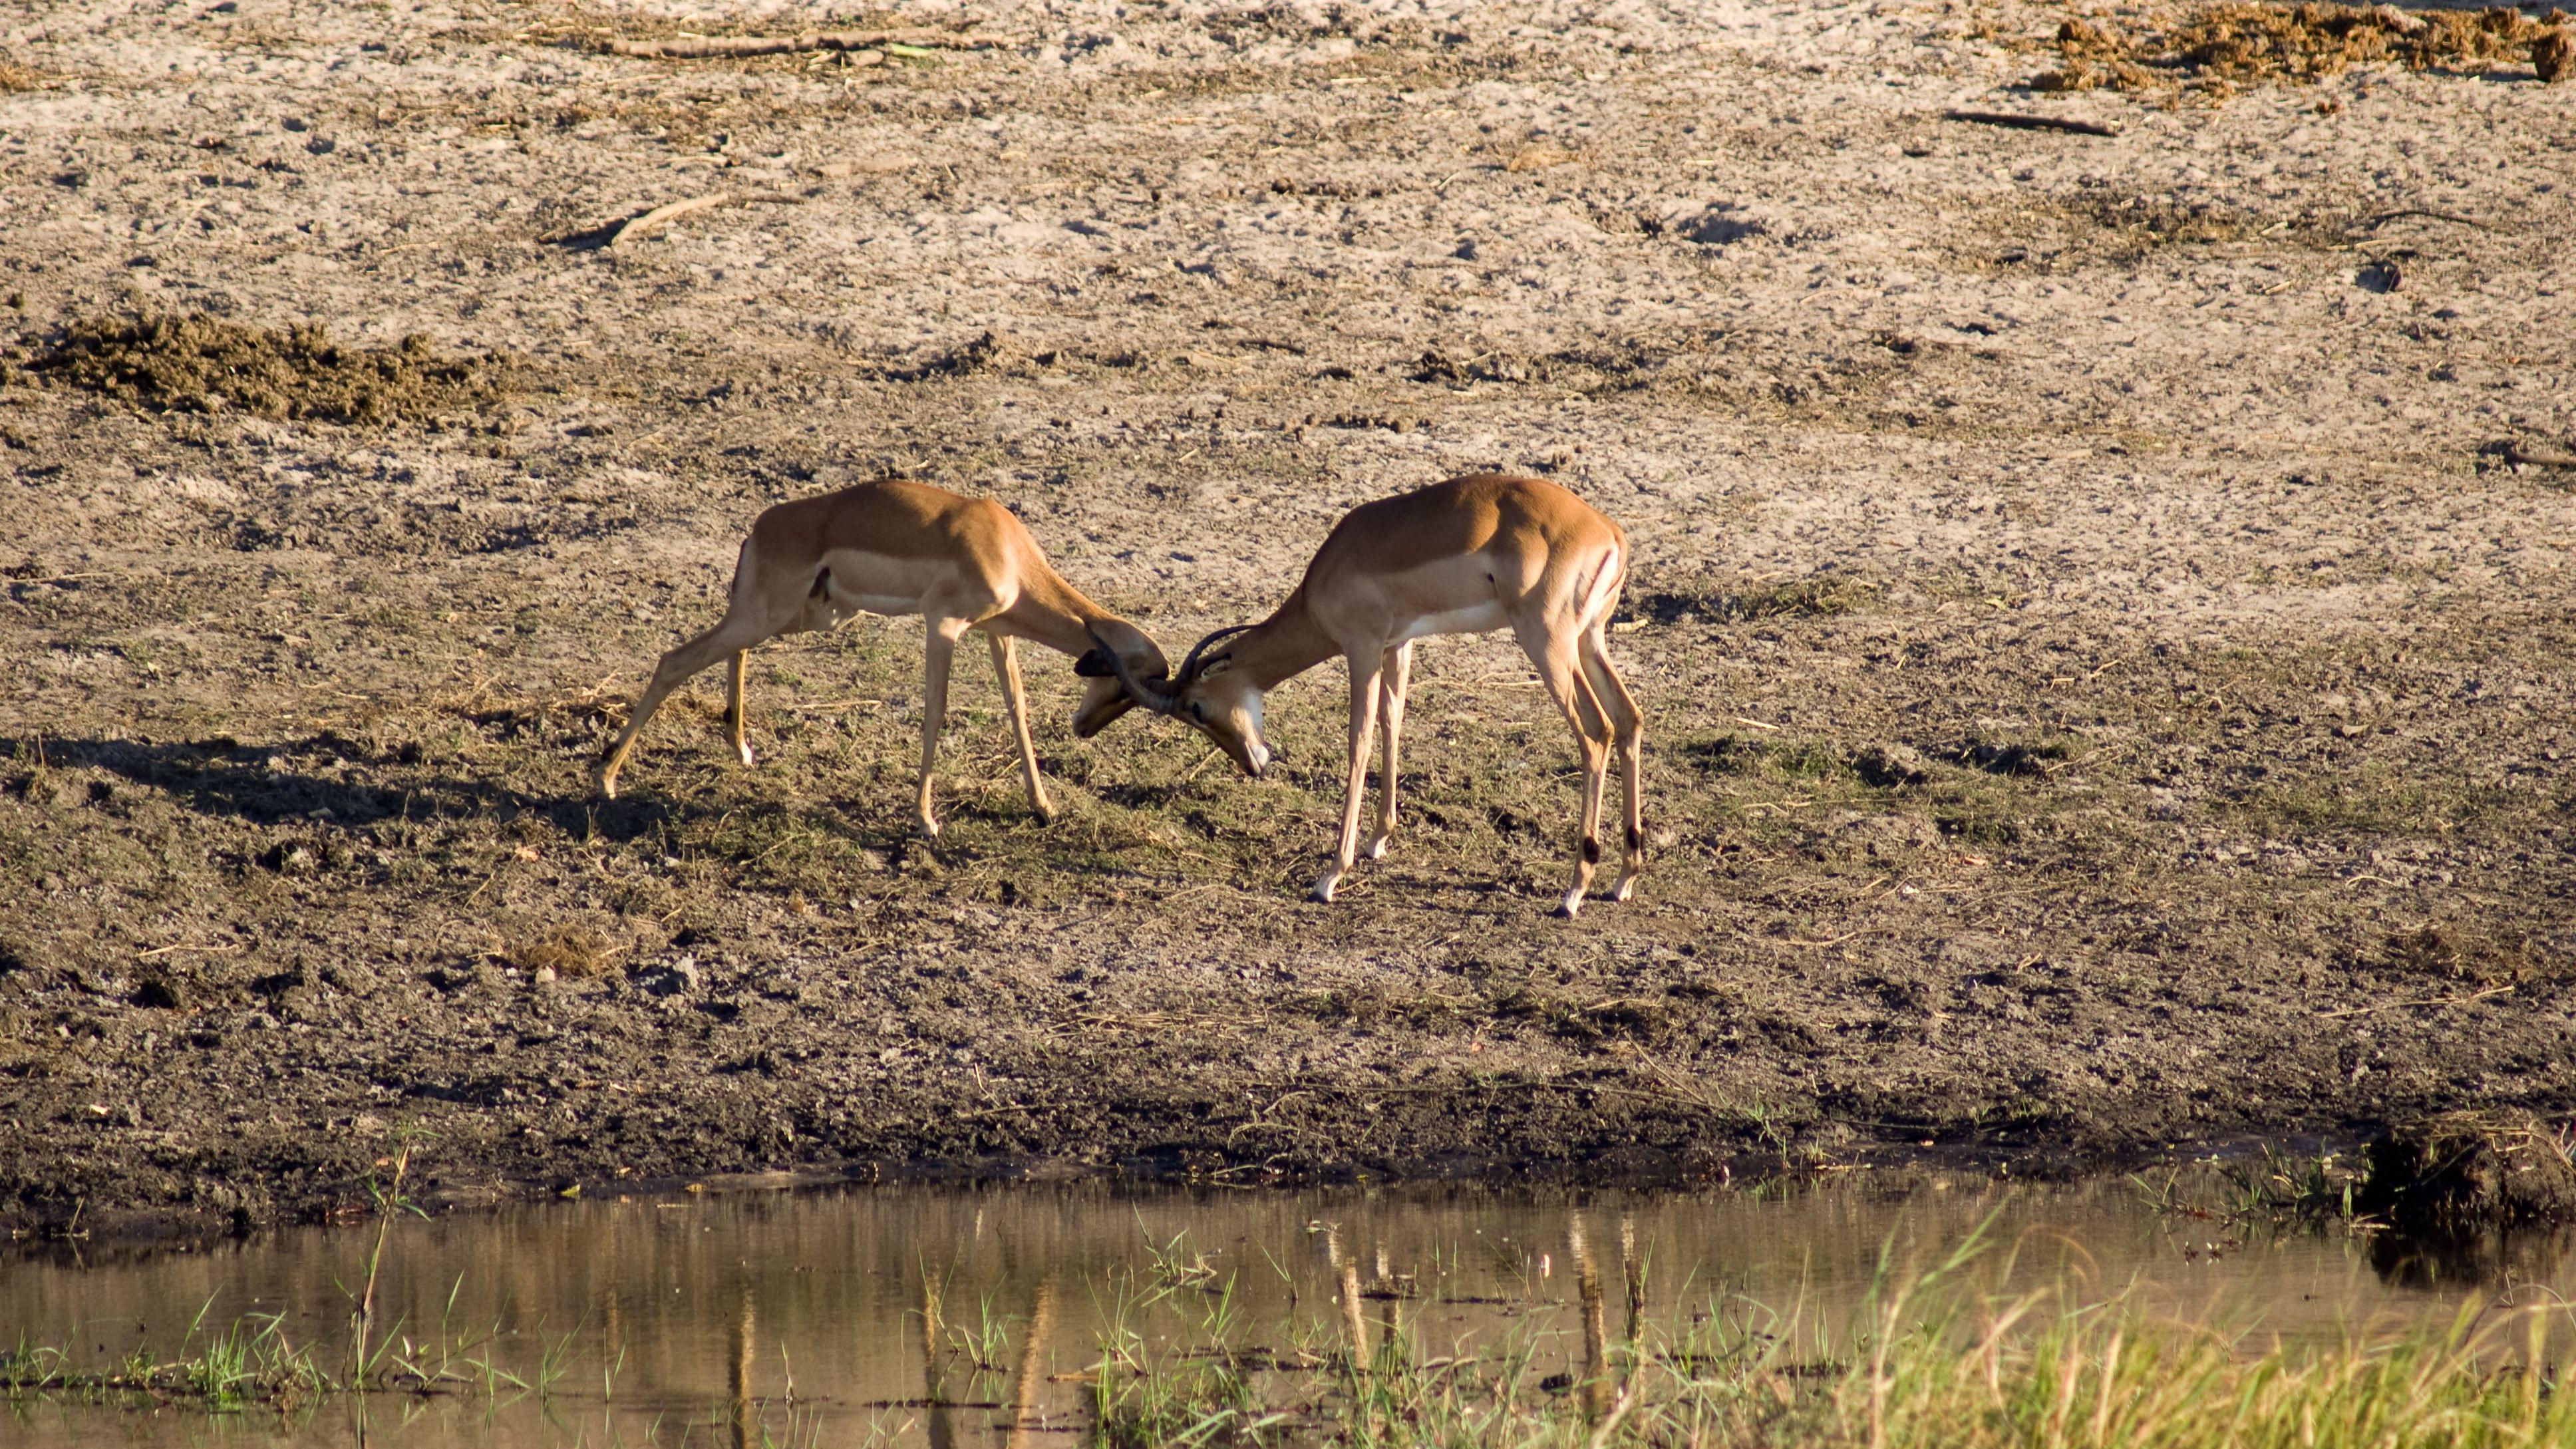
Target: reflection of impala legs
<point>1026,1419</point>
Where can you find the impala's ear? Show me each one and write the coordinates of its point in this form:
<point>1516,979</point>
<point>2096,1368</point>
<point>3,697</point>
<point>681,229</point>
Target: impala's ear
<point>1215,667</point>
<point>1094,664</point>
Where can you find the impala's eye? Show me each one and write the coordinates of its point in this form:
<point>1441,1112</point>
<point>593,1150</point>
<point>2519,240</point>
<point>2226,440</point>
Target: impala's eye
<point>1198,712</point>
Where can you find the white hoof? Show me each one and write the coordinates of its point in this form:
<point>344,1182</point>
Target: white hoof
<point>744,751</point>
<point>1322,894</point>
<point>1571,905</point>
<point>1627,887</point>
<point>1377,848</point>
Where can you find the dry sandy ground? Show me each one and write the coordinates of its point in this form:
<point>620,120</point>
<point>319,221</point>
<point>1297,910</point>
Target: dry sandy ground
<point>2105,670</point>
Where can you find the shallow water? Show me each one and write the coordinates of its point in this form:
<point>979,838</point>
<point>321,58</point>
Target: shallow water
<point>832,1317</point>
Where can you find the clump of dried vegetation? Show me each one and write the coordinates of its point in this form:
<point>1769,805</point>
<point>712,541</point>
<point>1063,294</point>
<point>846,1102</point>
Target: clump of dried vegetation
<point>572,952</point>
<point>2214,49</point>
<point>200,363</point>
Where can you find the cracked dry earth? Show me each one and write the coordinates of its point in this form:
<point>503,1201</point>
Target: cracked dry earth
<point>2102,622</point>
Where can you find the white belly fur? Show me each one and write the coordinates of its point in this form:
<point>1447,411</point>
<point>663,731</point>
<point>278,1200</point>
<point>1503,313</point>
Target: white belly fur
<point>1478,619</point>
<point>893,586</point>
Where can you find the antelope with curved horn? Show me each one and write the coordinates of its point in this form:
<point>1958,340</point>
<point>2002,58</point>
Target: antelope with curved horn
<point>1461,557</point>
<point>898,547</point>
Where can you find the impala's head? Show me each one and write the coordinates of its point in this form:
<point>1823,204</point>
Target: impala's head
<point>1118,649</point>
<point>1211,696</point>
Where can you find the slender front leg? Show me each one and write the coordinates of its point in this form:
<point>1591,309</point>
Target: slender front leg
<point>1399,673</point>
<point>734,720</point>
<point>1006,663</point>
<point>938,651</point>
<point>1364,687</point>
<point>730,636</point>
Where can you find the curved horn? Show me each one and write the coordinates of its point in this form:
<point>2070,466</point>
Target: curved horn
<point>1137,690</point>
<point>1189,669</point>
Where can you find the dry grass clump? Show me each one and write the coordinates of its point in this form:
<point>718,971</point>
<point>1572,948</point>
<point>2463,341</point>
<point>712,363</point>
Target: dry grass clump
<point>2553,55</point>
<point>2215,48</point>
<point>199,363</point>
<point>570,952</point>
<point>15,78</point>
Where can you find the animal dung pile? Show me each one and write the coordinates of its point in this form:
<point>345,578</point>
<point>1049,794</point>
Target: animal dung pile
<point>2216,48</point>
<point>199,363</point>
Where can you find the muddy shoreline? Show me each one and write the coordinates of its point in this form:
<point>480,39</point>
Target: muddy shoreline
<point>2101,631</point>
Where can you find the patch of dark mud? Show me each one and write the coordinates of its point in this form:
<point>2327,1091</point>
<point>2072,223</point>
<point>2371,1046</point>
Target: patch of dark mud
<point>2214,49</point>
<point>993,354</point>
<point>2469,1172</point>
<point>205,364</point>
<point>1816,596</point>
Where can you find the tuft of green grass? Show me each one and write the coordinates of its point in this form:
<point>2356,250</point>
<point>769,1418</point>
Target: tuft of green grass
<point>1927,1360</point>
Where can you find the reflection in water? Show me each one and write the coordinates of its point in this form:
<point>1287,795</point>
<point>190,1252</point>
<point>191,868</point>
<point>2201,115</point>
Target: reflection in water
<point>1354,1318</point>
<point>743,1413</point>
<point>1596,1335</point>
<point>934,1389</point>
<point>1025,1420</point>
<point>978,1318</point>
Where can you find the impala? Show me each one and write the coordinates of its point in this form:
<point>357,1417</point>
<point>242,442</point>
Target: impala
<point>897,547</point>
<point>1460,557</point>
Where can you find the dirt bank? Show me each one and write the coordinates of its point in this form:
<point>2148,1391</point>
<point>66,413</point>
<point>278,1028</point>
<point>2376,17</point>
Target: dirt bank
<point>2106,671</point>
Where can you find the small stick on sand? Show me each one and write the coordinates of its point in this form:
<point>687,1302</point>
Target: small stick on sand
<point>2020,122</point>
<point>639,226</point>
<point>2539,457</point>
<point>712,47</point>
<point>2384,216</point>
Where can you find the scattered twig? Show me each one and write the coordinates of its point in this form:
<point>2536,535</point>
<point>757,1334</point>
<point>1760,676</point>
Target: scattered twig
<point>1757,724</point>
<point>1836,940</point>
<point>660,214</point>
<point>183,946</point>
<point>2451,217</point>
<point>2020,122</point>
<point>2473,996</point>
<point>2539,457</point>
<point>712,47</point>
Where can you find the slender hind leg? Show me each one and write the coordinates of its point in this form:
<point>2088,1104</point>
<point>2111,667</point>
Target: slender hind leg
<point>735,719</point>
<point>1364,688</point>
<point>1560,667</point>
<point>1628,731</point>
<point>1006,663</point>
<point>731,635</point>
<point>1391,687</point>
<point>937,652</point>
